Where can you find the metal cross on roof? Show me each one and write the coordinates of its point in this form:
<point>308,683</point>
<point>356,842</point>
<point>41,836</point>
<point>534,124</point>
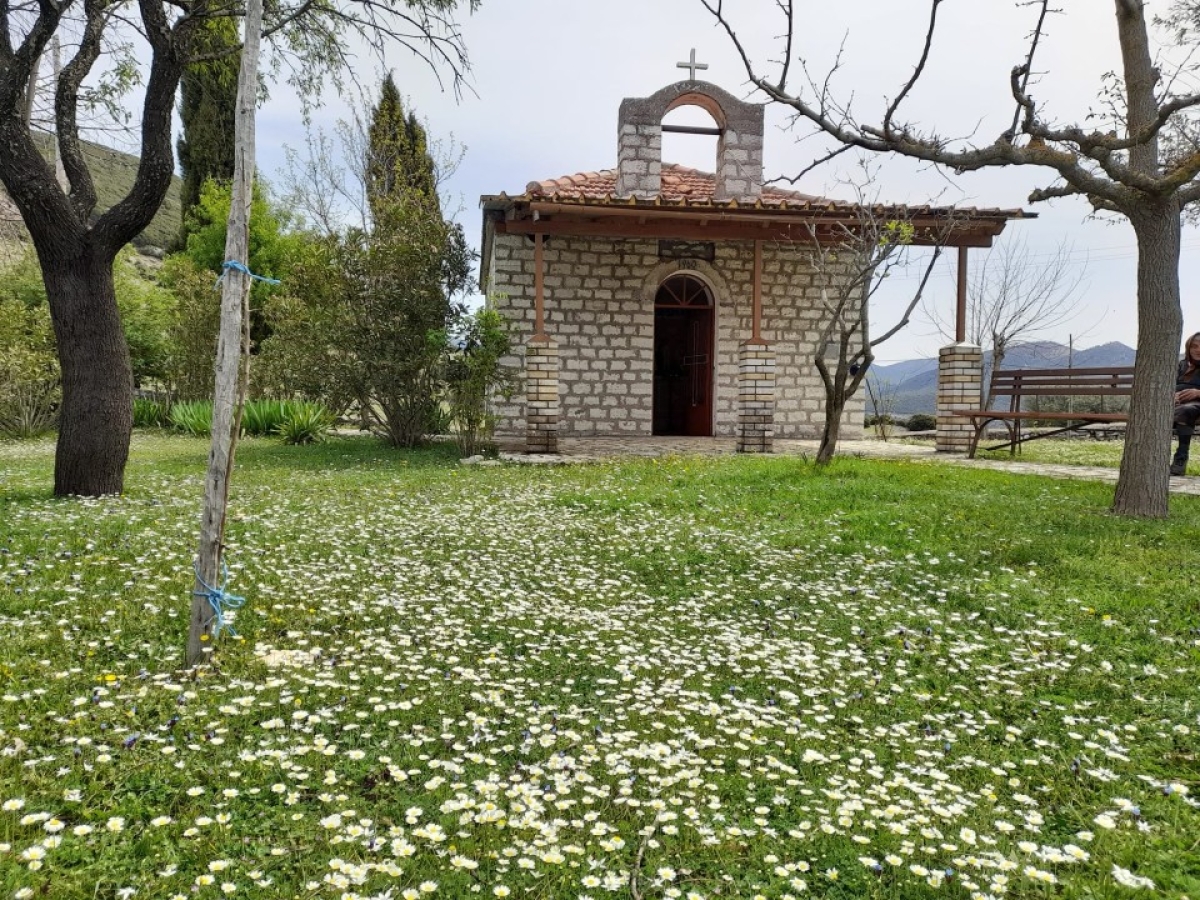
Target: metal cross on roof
<point>692,64</point>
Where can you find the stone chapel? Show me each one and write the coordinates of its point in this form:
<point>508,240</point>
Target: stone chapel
<point>657,300</point>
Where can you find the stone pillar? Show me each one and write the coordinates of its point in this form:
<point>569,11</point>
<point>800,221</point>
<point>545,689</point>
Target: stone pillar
<point>541,395</point>
<point>739,163</point>
<point>960,378</point>
<point>756,397</point>
<point>639,158</point>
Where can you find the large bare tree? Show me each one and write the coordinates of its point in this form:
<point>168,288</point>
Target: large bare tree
<point>75,245</point>
<point>1142,163</point>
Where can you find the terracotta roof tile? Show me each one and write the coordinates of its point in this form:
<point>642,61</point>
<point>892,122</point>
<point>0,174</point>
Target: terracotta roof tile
<point>691,188</point>
<point>679,183</point>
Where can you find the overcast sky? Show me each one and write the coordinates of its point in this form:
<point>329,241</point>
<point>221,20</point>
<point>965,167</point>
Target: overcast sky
<point>549,75</point>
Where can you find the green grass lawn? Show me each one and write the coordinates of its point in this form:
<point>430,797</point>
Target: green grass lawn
<point>1075,452</point>
<point>690,677</point>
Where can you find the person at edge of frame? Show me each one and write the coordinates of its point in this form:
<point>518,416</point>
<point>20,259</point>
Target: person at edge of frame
<point>1187,402</point>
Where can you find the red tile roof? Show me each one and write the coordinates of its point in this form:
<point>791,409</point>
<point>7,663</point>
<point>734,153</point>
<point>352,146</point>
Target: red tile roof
<point>679,184</point>
<point>683,187</point>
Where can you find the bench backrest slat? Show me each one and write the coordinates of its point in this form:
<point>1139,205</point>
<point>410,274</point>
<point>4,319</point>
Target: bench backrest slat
<point>1063,382</point>
<point>1065,373</point>
<point>1099,390</point>
<point>1084,382</point>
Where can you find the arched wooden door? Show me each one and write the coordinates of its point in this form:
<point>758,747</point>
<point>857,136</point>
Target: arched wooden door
<point>683,358</point>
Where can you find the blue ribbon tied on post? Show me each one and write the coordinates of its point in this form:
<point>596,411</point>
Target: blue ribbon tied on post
<point>245,270</point>
<point>219,599</point>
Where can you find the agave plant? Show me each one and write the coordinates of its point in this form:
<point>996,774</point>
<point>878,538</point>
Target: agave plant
<point>305,423</point>
<point>193,417</point>
<point>150,413</point>
<point>263,417</point>
<point>29,409</point>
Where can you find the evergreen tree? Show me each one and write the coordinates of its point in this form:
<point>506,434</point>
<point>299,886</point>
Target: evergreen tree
<point>398,161</point>
<point>208,99</point>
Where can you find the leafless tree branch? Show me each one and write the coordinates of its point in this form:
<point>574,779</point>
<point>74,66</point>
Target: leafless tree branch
<point>1021,91</point>
<point>934,5</point>
<point>1069,151</point>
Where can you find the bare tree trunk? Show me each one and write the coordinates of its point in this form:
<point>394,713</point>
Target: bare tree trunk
<point>230,348</point>
<point>96,417</point>
<point>835,405</point>
<point>1143,485</point>
<point>31,92</point>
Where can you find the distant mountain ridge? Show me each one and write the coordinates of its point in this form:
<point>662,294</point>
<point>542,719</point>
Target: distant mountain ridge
<point>913,382</point>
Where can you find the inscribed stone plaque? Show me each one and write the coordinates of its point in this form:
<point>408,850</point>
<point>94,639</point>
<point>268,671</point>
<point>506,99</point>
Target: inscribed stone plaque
<point>705,250</point>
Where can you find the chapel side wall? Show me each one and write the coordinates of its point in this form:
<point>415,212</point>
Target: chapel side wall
<point>594,310</point>
<point>791,317</point>
<point>599,311</point>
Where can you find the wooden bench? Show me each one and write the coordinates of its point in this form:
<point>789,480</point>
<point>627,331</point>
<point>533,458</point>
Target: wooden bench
<point>1019,385</point>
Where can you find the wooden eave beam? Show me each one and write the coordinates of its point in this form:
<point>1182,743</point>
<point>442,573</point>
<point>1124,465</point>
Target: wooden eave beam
<point>993,224</point>
<point>693,229</point>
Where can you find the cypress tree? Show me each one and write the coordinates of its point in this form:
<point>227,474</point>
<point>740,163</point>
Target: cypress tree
<point>398,163</point>
<point>208,101</point>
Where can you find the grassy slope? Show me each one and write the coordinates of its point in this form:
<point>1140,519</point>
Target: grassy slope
<point>113,173</point>
<point>787,676</point>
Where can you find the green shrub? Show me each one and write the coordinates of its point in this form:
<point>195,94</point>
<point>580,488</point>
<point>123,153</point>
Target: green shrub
<point>150,413</point>
<point>440,420</point>
<point>474,377</point>
<point>921,422</point>
<point>193,417</point>
<point>193,330</point>
<point>147,311</point>
<point>29,408</point>
<point>29,375</point>
<point>305,423</point>
<point>263,417</point>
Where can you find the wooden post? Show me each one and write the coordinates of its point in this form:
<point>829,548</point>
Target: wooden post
<point>230,375</point>
<point>756,336</point>
<point>539,299</point>
<point>960,316</point>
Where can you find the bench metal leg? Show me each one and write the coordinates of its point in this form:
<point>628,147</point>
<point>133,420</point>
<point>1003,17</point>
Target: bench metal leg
<point>1037,437</point>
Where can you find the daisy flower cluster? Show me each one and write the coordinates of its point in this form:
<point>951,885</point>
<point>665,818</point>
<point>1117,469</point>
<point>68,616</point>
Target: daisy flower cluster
<point>611,682</point>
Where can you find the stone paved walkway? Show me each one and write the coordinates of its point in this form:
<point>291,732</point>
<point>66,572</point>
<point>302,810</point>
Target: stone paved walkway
<point>578,450</point>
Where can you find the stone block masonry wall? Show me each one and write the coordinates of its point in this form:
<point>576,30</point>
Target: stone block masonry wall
<point>960,377</point>
<point>639,154</point>
<point>595,314</point>
<point>739,157</point>
<point>600,313</point>
<point>756,399</point>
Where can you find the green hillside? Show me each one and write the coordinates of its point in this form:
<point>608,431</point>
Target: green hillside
<point>113,173</point>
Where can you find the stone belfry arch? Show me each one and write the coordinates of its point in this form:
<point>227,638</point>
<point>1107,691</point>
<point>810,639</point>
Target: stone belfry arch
<point>739,140</point>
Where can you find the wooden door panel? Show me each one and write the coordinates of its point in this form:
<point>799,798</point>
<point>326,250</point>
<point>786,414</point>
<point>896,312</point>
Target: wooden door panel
<point>683,370</point>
